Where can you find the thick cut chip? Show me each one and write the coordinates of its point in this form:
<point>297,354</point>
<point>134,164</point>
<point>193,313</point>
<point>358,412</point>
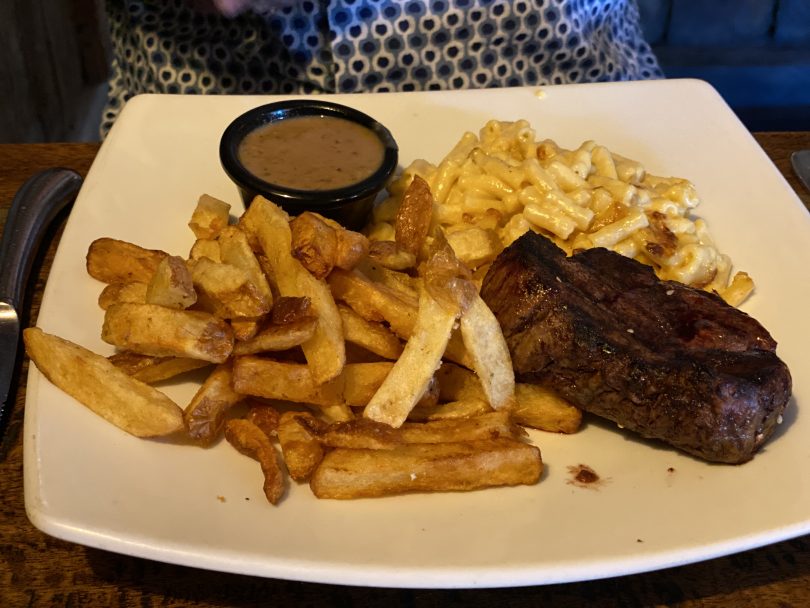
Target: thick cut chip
<point>227,291</point>
<point>114,261</point>
<point>278,337</point>
<point>362,380</point>
<point>285,381</point>
<point>400,282</point>
<point>413,371</point>
<point>414,216</point>
<point>441,467</point>
<point>301,450</point>
<point>171,284</point>
<point>163,332</point>
<point>534,406</point>
<point>291,309</point>
<point>269,226</point>
<point>492,425</point>
<point>466,408</point>
<point>368,434</point>
<point>251,441</point>
<point>374,337</point>
<point>458,384</point>
<point>389,254</point>
<point>246,328</point>
<point>487,347</point>
<point>205,248</point>
<point>91,379</point>
<point>360,433</point>
<point>209,217</point>
<point>538,407</point>
<point>121,293</point>
<point>352,248</point>
<point>235,250</point>
<point>375,301</point>
<point>204,416</point>
<point>151,370</point>
<point>264,416</point>
<point>314,244</point>
<point>474,246</point>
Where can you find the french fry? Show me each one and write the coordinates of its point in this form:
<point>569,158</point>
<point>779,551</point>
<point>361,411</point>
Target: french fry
<point>314,244</point>
<point>458,384</point>
<point>368,434</point>
<point>205,248</point>
<point>278,337</point>
<point>538,407</point>
<point>114,261</point>
<point>360,433</point>
<point>447,279</point>
<point>441,467</point>
<point>399,282</point>
<point>171,284</point>
<point>325,351</point>
<point>487,347</point>
<point>362,380</point>
<point>413,371</point>
<point>491,425</point>
<point>152,370</point>
<point>431,395</point>
<point>374,337</point>
<point>227,291</point>
<point>156,330</point>
<point>251,441</point>
<point>352,248</point>
<point>389,254</point>
<point>302,452</point>
<point>374,301</point>
<point>292,309</point>
<point>474,246</point>
<point>466,408</point>
<point>204,416</point>
<point>245,328</point>
<point>264,416</point>
<point>209,218</point>
<point>91,379</point>
<point>235,250</point>
<point>414,216</point>
<point>121,293</point>
<point>337,412</point>
<point>270,379</point>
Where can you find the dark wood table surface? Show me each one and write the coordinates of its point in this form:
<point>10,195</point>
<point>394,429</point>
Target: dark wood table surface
<point>37,570</point>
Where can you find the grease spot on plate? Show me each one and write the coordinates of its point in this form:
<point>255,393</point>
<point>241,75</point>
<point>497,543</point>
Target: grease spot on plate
<point>583,476</point>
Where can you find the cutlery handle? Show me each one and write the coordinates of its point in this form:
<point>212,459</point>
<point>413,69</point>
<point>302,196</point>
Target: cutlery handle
<point>35,206</point>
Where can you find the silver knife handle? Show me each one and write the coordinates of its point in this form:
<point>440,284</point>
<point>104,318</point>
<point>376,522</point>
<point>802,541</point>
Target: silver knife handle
<point>35,206</point>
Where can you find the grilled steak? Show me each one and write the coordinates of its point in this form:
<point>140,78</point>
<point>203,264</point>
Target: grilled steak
<point>657,357</point>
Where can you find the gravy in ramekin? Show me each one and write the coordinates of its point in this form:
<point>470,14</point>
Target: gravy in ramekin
<point>312,153</point>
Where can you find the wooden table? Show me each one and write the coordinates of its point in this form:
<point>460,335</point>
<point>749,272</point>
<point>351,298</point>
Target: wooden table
<point>37,570</point>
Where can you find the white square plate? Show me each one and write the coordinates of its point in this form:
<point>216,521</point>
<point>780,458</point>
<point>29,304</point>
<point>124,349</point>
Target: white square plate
<point>88,482</point>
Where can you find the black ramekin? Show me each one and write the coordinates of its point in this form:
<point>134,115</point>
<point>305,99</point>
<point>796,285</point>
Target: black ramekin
<point>350,205</point>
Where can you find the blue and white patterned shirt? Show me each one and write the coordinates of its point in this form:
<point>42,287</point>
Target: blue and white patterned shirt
<point>372,46</point>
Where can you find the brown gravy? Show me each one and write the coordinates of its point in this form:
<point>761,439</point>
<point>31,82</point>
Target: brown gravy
<point>312,153</point>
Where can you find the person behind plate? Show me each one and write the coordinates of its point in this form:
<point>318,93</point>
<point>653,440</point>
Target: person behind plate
<point>348,46</point>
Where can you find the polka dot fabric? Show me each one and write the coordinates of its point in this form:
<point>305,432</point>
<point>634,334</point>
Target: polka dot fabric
<point>442,44</point>
<point>372,45</point>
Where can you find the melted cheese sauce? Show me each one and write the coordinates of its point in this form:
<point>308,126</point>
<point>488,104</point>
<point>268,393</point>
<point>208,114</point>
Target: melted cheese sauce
<point>312,153</point>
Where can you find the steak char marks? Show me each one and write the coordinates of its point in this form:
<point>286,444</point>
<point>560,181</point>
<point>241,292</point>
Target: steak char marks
<point>657,357</point>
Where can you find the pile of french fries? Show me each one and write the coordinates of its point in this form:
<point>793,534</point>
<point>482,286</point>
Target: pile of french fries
<point>365,368</point>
